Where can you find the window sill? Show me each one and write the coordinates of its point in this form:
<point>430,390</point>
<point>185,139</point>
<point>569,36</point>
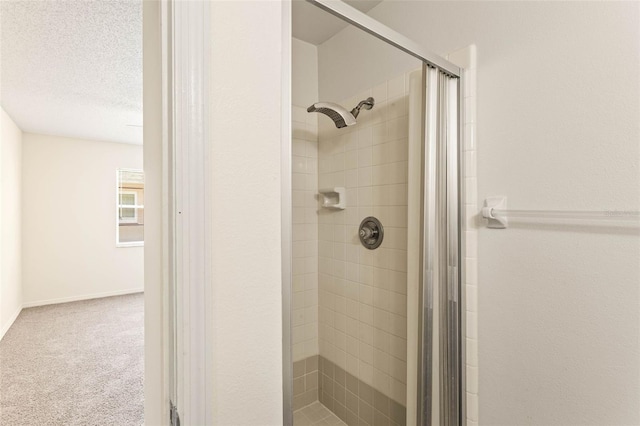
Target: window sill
<point>132,244</point>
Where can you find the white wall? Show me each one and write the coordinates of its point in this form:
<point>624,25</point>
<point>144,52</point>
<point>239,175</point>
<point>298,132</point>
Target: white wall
<point>557,128</point>
<point>10,207</point>
<point>69,191</point>
<point>246,102</point>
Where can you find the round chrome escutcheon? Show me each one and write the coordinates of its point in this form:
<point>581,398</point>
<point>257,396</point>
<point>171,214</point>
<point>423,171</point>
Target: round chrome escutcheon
<point>371,232</point>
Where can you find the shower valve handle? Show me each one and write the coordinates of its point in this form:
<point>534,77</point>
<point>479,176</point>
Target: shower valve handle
<point>367,232</point>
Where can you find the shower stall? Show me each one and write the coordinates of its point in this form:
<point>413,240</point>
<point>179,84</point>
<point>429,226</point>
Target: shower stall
<point>374,305</point>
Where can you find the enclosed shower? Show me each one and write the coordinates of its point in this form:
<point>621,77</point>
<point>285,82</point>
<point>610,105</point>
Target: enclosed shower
<point>376,319</point>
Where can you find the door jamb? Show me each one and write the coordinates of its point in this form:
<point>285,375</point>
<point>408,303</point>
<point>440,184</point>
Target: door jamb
<point>155,301</point>
<point>188,216</point>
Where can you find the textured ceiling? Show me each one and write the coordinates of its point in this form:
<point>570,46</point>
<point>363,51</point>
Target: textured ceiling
<point>315,26</point>
<point>73,68</point>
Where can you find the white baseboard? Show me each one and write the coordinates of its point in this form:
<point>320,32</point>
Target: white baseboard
<point>83,297</point>
<point>9,323</point>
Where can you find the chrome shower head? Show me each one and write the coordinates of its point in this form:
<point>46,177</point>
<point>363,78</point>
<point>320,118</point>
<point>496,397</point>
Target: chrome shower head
<point>340,116</point>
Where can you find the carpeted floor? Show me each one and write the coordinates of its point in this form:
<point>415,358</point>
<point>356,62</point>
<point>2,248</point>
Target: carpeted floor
<point>78,363</point>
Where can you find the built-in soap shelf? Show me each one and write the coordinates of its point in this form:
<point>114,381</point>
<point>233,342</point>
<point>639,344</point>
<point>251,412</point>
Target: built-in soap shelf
<point>333,198</point>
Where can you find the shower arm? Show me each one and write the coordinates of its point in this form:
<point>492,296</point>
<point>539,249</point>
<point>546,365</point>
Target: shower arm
<point>367,104</point>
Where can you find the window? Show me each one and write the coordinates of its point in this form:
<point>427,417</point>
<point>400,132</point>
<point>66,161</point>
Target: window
<point>127,214</point>
<point>130,208</point>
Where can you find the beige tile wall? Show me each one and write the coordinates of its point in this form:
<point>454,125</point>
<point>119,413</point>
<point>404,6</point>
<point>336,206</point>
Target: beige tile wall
<point>362,293</point>
<point>355,402</point>
<point>305,233</point>
<point>305,382</point>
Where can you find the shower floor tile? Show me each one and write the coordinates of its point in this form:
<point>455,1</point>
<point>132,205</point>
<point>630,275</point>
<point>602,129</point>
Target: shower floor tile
<point>316,414</point>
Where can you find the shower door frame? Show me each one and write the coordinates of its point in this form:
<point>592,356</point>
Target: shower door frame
<point>445,218</point>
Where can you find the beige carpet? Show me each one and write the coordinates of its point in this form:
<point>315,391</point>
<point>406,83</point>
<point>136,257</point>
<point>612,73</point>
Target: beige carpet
<point>77,363</point>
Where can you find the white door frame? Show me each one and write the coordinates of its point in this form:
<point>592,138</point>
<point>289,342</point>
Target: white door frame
<point>193,218</point>
<point>155,315</point>
<point>178,341</point>
<point>188,208</point>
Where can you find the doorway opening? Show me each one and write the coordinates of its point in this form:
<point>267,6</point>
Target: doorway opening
<point>73,204</point>
<point>376,313</point>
